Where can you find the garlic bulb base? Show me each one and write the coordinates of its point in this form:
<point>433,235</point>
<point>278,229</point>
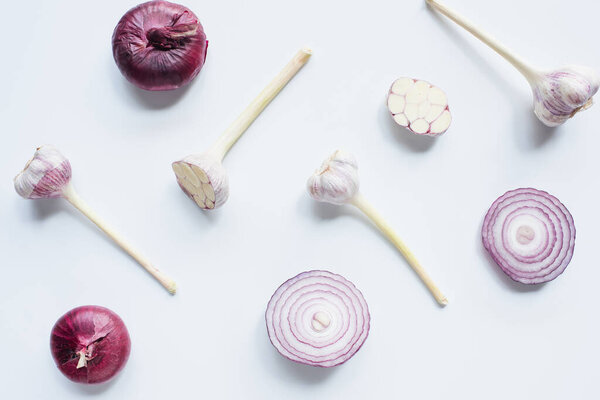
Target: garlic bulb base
<point>203,179</point>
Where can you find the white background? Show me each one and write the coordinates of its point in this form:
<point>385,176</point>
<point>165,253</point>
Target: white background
<point>495,340</point>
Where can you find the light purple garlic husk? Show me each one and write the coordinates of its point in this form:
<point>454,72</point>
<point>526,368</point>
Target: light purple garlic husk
<point>559,95</point>
<point>45,176</point>
<point>203,179</point>
<point>336,181</point>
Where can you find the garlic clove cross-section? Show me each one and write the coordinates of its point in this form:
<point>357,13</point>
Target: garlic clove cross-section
<point>48,175</point>
<point>419,106</point>
<point>202,176</point>
<point>204,179</point>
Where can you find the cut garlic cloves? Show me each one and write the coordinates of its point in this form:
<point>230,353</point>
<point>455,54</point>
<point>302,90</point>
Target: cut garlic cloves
<point>336,182</point>
<point>48,175</point>
<point>419,106</point>
<point>557,95</point>
<point>202,176</point>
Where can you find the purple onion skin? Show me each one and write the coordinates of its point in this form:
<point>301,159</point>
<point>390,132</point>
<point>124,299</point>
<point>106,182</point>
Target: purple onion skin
<point>159,45</point>
<point>101,332</point>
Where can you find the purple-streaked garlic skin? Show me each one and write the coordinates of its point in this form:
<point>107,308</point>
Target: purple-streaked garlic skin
<point>560,94</point>
<point>204,179</point>
<point>419,106</point>
<point>530,234</point>
<point>45,176</point>
<point>159,45</point>
<point>336,181</point>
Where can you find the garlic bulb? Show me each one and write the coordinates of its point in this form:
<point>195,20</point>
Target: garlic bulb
<point>202,176</point>
<point>45,175</point>
<point>48,175</point>
<point>336,182</point>
<point>204,179</point>
<point>557,95</point>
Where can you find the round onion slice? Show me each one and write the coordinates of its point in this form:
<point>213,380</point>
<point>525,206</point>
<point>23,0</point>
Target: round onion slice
<point>530,234</point>
<point>318,318</point>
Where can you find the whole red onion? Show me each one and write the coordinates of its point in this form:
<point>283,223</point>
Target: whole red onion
<point>159,45</point>
<point>90,344</point>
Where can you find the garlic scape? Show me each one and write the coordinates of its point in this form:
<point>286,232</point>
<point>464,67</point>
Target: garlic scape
<point>202,176</point>
<point>336,182</point>
<point>48,175</point>
<point>557,95</point>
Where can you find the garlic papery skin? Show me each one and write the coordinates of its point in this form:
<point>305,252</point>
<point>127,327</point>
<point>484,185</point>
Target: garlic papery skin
<point>336,181</point>
<point>202,176</point>
<point>560,94</point>
<point>204,179</point>
<point>45,176</point>
<point>557,95</point>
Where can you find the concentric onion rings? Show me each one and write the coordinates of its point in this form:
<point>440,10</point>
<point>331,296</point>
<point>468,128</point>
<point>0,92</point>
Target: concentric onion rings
<point>317,318</point>
<point>530,234</point>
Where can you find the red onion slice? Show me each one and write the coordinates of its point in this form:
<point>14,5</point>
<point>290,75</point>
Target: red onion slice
<point>530,234</point>
<point>318,318</point>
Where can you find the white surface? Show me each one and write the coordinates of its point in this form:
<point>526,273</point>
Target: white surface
<point>495,340</point>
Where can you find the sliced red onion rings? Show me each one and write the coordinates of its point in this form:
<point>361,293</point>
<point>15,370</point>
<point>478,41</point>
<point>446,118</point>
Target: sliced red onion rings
<point>318,318</point>
<point>530,234</point>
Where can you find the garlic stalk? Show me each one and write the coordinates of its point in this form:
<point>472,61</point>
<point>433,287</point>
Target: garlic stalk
<point>48,175</point>
<point>202,176</point>
<point>558,94</point>
<point>336,182</point>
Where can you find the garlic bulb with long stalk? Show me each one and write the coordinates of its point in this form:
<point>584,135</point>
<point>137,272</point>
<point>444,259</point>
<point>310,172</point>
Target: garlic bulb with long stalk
<point>557,94</point>
<point>48,175</point>
<point>202,176</point>
<point>336,182</point>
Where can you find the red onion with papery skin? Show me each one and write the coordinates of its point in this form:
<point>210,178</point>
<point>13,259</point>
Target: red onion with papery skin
<point>90,344</point>
<point>159,45</point>
<point>318,318</point>
<point>530,234</point>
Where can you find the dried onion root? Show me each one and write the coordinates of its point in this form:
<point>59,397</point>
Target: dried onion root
<point>530,234</point>
<point>318,318</point>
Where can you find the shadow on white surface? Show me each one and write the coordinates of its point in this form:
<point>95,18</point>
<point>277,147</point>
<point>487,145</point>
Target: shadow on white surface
<point>468,47</point>
<point>156,100</point>
<point>94,389</point>
<point>42,209</point>
<point>325,211</point>
<point>286,369</point>
<point>530,133</point>
<point>416,143</point>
